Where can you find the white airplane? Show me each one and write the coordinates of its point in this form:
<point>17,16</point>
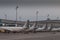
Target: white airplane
<point>55,29</point>
<point>49,28</point>
<point>41,29</point>
<point>31,28</point>
<point>13,29</point>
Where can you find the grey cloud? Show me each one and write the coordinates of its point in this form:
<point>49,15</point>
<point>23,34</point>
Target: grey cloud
<point>28,2</point>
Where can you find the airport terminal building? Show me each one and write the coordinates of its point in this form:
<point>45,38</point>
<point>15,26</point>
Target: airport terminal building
<point>54,23</point>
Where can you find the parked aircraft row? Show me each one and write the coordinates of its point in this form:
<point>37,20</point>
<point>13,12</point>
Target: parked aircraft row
<point>29,29</point>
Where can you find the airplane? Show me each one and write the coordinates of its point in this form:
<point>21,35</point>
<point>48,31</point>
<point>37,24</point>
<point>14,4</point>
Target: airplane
<point>45,28</point>
<point>30,29</point>
<point>55,29</point>
<point>41,29</point>
<point>12,29</point>
<point>49,27</point>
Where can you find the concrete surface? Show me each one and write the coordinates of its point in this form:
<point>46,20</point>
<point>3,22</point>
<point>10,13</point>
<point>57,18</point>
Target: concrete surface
<point>30,36</point>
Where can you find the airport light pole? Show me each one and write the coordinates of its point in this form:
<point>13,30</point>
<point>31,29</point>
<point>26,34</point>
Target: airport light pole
<point>5,19</point>
<point>46,27</point>
<point>37,16</point>
<point>36,20</point>
<point>17,12</point>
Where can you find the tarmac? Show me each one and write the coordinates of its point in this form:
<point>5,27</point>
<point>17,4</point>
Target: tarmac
<point>30,36</point>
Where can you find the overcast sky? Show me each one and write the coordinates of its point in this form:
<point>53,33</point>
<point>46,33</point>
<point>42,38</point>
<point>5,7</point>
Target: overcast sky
<point>27,9</point>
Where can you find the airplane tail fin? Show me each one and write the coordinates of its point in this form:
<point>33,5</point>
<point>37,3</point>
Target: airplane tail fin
<point>26,25</point>
<point>43,27</point>
<point>33,25</point>
<point>51,27</point>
